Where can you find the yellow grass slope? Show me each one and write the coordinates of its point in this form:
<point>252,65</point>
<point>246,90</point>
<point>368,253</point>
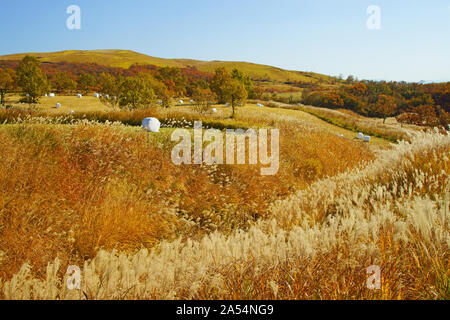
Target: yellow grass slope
<point>126,58</point>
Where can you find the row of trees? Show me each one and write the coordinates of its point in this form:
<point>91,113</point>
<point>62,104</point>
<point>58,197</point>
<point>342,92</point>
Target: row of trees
<point>66,76</point>
<point>419,104</point>
<point>138,91</point>
<point>141,91</point>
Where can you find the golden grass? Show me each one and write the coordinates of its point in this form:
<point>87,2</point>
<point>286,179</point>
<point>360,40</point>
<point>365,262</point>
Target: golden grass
<point>106,197</point>
<point>391,130</point>
<point>346,123</point>
<point>393,213</point>
<point>305,117</point>
<point>75,189</point>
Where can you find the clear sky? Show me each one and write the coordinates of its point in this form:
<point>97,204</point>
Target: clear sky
<point>325,36</point>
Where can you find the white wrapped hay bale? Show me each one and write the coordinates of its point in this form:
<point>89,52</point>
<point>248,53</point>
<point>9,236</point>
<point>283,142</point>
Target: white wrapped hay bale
<point>151,124</point>
<point>96,95</point>
<point>51,95</point>
<point>72,112</point>
<point>366,138</point>
<point>214,110</point>
<point>191,101</point>
<point>260,105</point>
<point>79,96</point>
<point>180,101</point>
<point>360,136</point>
<point>58,105</point>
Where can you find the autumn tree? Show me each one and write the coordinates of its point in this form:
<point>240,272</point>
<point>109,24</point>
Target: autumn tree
<point>63,83</point>
<point>444,118</point>
<point>110,88</point>
<point>422,100</point>
<point>86,82</point>
<point>234,92</point>
<point>427,115</point>
<point>31,79</point>
<point>358,89</point>
<point>136,93</point>
<point>7,81</point>
<point>220,84</point>
<point>203,98</point>
<point>173,78</point>
<point>160,89</point>
<point>258,92</point>
<point>385,106</point>
<point>350,79</point>
<point>238,75</point>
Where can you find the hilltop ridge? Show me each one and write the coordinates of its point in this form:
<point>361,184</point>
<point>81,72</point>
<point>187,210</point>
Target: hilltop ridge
<point>126,58</point>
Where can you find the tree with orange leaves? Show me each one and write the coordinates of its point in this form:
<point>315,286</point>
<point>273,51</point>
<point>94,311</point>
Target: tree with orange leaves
<point>386,106</point>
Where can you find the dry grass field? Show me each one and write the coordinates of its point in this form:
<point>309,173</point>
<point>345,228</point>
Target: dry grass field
<point>105,196</point>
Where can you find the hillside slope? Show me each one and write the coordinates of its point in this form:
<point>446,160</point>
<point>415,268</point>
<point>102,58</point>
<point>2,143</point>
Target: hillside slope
<point>126,58</point>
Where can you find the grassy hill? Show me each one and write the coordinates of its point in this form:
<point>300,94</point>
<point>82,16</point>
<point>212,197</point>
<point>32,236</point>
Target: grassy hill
<point>126,58</point>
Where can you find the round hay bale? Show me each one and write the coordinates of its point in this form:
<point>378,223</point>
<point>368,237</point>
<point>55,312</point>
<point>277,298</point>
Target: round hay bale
<point>151,124</point>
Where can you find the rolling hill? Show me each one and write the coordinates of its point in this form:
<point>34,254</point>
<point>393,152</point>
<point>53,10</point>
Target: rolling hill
<point>126,58</point>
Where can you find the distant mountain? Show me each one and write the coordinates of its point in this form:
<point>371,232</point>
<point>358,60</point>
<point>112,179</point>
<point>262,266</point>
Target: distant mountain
<point>432,81</point>
<point>126,58</point>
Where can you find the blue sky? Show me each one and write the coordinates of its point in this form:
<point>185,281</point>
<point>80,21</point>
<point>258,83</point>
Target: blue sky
<point>325,36</point>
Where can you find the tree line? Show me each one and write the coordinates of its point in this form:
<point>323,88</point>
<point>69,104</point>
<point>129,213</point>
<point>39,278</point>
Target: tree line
<point>414,103</point>
<point>136,87</point>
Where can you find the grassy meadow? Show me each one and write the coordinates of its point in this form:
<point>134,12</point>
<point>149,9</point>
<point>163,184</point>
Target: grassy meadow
<point>93,189</point>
